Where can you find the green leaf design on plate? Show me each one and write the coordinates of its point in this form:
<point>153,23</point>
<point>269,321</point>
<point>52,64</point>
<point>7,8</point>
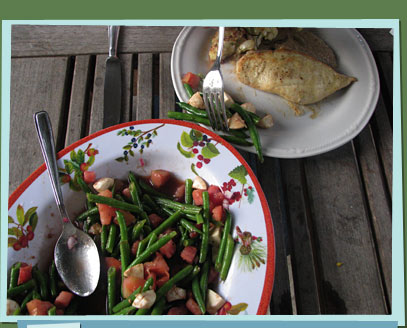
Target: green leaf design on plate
<point>10,219</point>
<point>80,157</point>
<point>73,155</point>
<point>236,309</point>
<point>91,160</point>
<point>195,135</point>
<point>119,159</point>
<point>29,213</point>
<point>239,173</point>
<point>33,221</point>
<point>15,232</point>
<point>210,151</point>
<point>250,195</point>
<point>131,153</point>
<point>11,241</point>
<point>68,166</point>
<point>187,154</point>
<point>193,169</point>
<point>20,214</point>
<point>186,140</point>
<point>127,147</point>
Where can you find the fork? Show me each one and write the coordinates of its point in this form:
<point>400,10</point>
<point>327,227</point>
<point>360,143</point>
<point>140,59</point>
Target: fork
<point>213,91</point>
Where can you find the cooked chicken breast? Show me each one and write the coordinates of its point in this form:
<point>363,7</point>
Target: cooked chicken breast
<point>233,37</point>
<point>296,77</point>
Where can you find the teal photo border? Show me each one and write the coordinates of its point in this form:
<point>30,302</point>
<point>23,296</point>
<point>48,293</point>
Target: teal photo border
<point>398,301</point>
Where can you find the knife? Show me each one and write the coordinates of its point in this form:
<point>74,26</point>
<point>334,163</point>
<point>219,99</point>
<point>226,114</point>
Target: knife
<point>113,82</point>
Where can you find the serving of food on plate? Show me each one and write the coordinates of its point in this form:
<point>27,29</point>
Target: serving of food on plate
<point>300,81</point>
<point>169,218</point>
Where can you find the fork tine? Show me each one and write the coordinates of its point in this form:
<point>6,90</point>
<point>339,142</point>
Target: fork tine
<point>213,110</point>
<point>225,119</point>
<point>208,109</point>
<point>219,111</point>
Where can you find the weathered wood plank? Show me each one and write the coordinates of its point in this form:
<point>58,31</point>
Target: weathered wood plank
<point>378,202</point>
<point>383,135</point>
<point>79,100</point>
<point>143,109</point>
<point>303,260</point>
<point>36,84</point>
<point>96,111</point>
<point>167,94</point>
<point>343,235</point>
<point>268,176</point>
<point>379,39</point>
<point>51,40</point>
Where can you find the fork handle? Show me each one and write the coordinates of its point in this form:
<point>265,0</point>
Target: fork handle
<point>220,44</point>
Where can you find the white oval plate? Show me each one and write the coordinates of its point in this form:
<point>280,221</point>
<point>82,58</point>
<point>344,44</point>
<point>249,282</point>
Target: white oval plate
<point>166,144</point>
<point>333,122</point>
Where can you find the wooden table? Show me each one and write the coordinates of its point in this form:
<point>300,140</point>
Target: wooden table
<point>331,213</point>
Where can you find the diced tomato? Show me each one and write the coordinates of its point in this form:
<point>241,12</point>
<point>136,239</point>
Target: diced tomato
<point>159,267</point>
<point>193,307</point>
<point>159,177</point>
<point>59,311</point>
<point>38,307</point>
<point>152,274</point>
<point>130,284</point>
<point>168,250</point>
<point>213,275</point>
<point>24,274</point>
<point>188,254</point>
<point>126,192</point>
<point>216,196</point>
<point>218,213</point>
<point>155,219</point>
<point>63,299</point>
<point>128,217</point>
<point>89,176</point>
<point>106,212</point>
<point>134,247</point>
<point>178,310</point>
<point>192,79</point>
<point>179,193</point>
<point>112,262</point>
<point>197,197</point>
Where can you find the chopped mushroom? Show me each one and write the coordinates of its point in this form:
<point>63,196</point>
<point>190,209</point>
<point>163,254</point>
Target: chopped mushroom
<point>176,294</point>
<point>144,300</point>
<point>249,107</point>
<point>12,306</point>
<point>228,100</point>
<point>266,122</point>
<point>213,302</point>
<point>135,271</point>
<point>95,229</point>
<point>103,184</point>
<point>236,122</point>
<point>199,183</point>
<point>197,101</point>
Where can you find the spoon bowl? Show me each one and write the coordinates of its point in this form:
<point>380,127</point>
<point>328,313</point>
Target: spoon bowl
<point>76,255</point>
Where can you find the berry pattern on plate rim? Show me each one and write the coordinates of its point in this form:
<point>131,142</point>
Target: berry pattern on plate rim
<point>252,252</point>
<point>229,309</point>
<point>239,173</point>
<point>21,231</point>
<point>78,165</point>
<point>139,141</point>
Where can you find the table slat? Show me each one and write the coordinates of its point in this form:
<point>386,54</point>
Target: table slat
<point>143,108</point>
<point>167,93</point>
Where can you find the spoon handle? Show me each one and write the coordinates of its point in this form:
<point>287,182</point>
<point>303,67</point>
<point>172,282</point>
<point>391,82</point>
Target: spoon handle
<point>46,138</point>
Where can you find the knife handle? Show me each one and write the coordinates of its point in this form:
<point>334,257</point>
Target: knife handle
<point>113,32</point>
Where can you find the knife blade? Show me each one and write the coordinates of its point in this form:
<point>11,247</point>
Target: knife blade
<point>112,102</point>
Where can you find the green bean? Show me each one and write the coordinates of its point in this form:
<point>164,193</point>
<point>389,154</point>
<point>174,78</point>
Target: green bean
<point>188,242</point>
<point>188,90</point>
<point>223,241</point>
<point>135,234</point>
<point>188,225</point>
<point>188,191</point>
<point>103,237</point>
<point>185,208</point>
<point>90,212</point>
<point>148,284</point>
<point>188,117</point>
<point>14,273</point>
<point>143,311</point>
<point>150,190</point>
<point>14,291</point>
<point>159,306</point>
<point>72,307</point>
<point>192,110</point>
<point>142,246</point>
<point>154,207</point>
<point>170,211</point>
<point>122,226</point>
<point>17,311</point>
<point>236,140</point>
<point>238,133</point>
<point>26,299</point>
<point>36,294</point>
<point>227,259</point>
<point>111,289</point>
<point>86,226</point>
<point>124,254</point>
<point>203,281</point>
<point>152,239</point>
<point>114,203</point>
<point>111,239</point>
<point>53,280</point>
<point>179,276</point>
<point>185,282</point>
<point>205,240</point>
<point>125,303</point>
<point>196,291</point>
<point>52,311</point>
<point>41,279</point>
<point>206,210</point>
<point>153,248</point>
<point>120,198</point>
<point>116,250</point>
<point>252,130</point>
<point>170,221</point>
<point>147,230</point>
<point>135,196</point>
<point>199,218</point>
<point>127,310</point>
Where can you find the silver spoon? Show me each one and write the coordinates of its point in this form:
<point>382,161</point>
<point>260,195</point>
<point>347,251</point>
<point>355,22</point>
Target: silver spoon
<point>75,254</point>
